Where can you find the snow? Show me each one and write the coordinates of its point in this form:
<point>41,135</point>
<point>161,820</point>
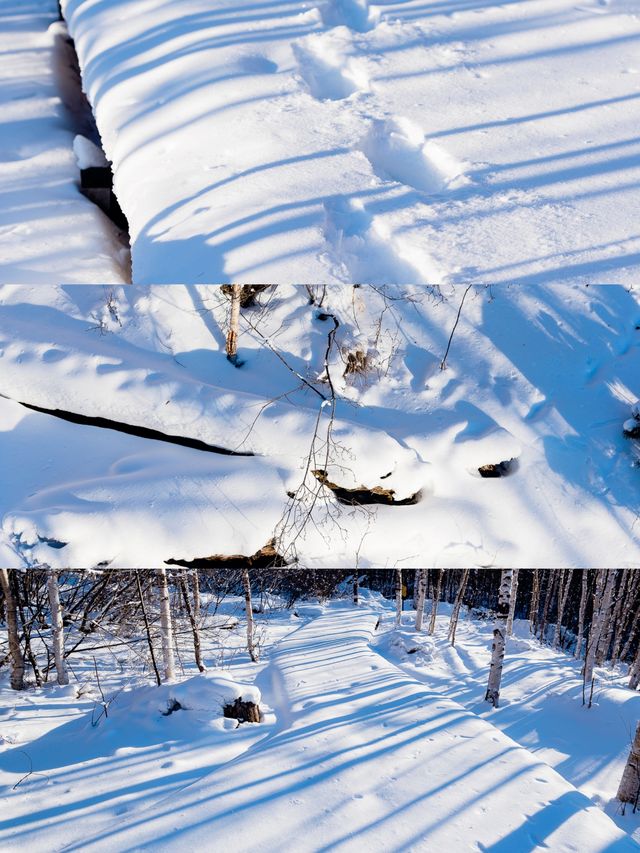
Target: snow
<point>48,231</point>
<point>392,142</point>
<point>545,376</point>
<point>355,750</point>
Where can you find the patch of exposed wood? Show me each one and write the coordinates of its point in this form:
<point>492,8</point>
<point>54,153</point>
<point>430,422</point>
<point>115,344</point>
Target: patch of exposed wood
<point>362,495</point>
<point>266,558</point>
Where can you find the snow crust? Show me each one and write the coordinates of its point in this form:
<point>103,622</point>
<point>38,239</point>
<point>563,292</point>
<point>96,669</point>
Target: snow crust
<point>392,142</point>
<point>545,376</point>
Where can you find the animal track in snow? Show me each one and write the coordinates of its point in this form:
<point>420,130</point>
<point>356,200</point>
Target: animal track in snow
<point>368,251</point>
<point>398,150</point>
<point>354,14</point>
<point>328,74</point>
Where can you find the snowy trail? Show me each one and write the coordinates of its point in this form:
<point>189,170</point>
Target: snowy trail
<point>368,757</point>
<point>48,230</point>
<point>385,142</point>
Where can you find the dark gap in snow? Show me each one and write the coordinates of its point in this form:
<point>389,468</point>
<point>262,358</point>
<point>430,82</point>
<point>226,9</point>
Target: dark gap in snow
<point>265,558</point>
<point>131,429</point>
<point>53,543</point>
<point>499,469</point>
<point>362,495</point>
<point>172,706</point>
<point>96,176</point>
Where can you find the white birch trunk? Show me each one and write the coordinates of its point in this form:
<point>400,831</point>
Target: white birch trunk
<point>499,638</point>
<point>457,605</point>
<point>601,600</point>
<point>166,627</point>
<point>581,614</point>
<point>563,595</point>
<point>398,596</point>
<point>435,601</point>
<point>57,627</point>
<point>234,323</point>
<point>246,583</point>
<point>629,789</point>
<point>512,603</point>
<point>15,653</point>
<point>195,589</point>
<point>634,672</point>
<point>535,602</point>
<point>422,594</point>
<point>606,630</point>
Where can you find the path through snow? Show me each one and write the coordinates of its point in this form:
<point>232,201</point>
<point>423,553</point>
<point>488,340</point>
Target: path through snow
<point>365,757</point>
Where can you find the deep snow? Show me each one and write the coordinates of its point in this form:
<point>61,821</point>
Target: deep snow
<point>353,751</point>
<point>545,376</point>
<point>407,141</point>
<point>49,232</point>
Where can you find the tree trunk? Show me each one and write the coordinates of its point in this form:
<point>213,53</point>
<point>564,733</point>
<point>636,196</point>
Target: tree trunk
<point>15,652</point>
<point>57,627</point>
<point>563,595</point>
<point>606,631</point>
<point>535,602</point>
<point>499,638</point>
<point>422,594</point>
<point>611,618</point>
<point>634,672</point>
<point>234,323</point>
<point>629,789</point>
<point>356,589</point>
<point>551,586</point>
<point>145,619</point>
<point>601,600</point>
<point>455,613</point>
<point>166,627</point>
<point>195,630</point>
<point>627,629</point>
<point>435,599</point>
<point>246,583</point>
<point>581,614</point>
<point>398,590</point>
<point>512,604</point>
<point>195,589</point>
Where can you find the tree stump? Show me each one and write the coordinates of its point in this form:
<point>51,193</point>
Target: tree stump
<point>245,712</point>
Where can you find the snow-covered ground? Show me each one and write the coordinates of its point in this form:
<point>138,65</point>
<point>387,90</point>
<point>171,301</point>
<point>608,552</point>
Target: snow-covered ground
<point>414,141</point>
<point>542,376</point>
<point>49,232</point>
<point>359,746</point>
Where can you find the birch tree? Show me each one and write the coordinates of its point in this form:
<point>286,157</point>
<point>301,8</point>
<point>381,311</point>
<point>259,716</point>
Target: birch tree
<point>398,593</point>
<point>563,595</point>
<point>457,604</point>
<point>629,790</point>
<point>195,628</point>
<point>234,323</point>
<point>246,584</point>
<point>57,626</point>
<point>15,652</point>
<point>421,583</point>
<point>512,603</point>
<point>601,602</point>
<point>581,614</point>
<point>499,638</point>
<point>535,603</point>
<point>166,627</point>
<point>435,600</point>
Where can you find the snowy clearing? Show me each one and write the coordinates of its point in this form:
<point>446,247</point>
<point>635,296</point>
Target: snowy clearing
<point>538,384</point>
<point>346,140</point>
<point>352,750</point>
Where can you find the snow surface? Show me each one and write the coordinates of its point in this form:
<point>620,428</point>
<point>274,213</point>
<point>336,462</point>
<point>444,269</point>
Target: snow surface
<point>354,752</point>
<point>49,232</point>
<point>545,376</point>
<point>406,141</point>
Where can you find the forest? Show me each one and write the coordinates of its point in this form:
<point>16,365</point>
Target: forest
<point>119,645</point>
